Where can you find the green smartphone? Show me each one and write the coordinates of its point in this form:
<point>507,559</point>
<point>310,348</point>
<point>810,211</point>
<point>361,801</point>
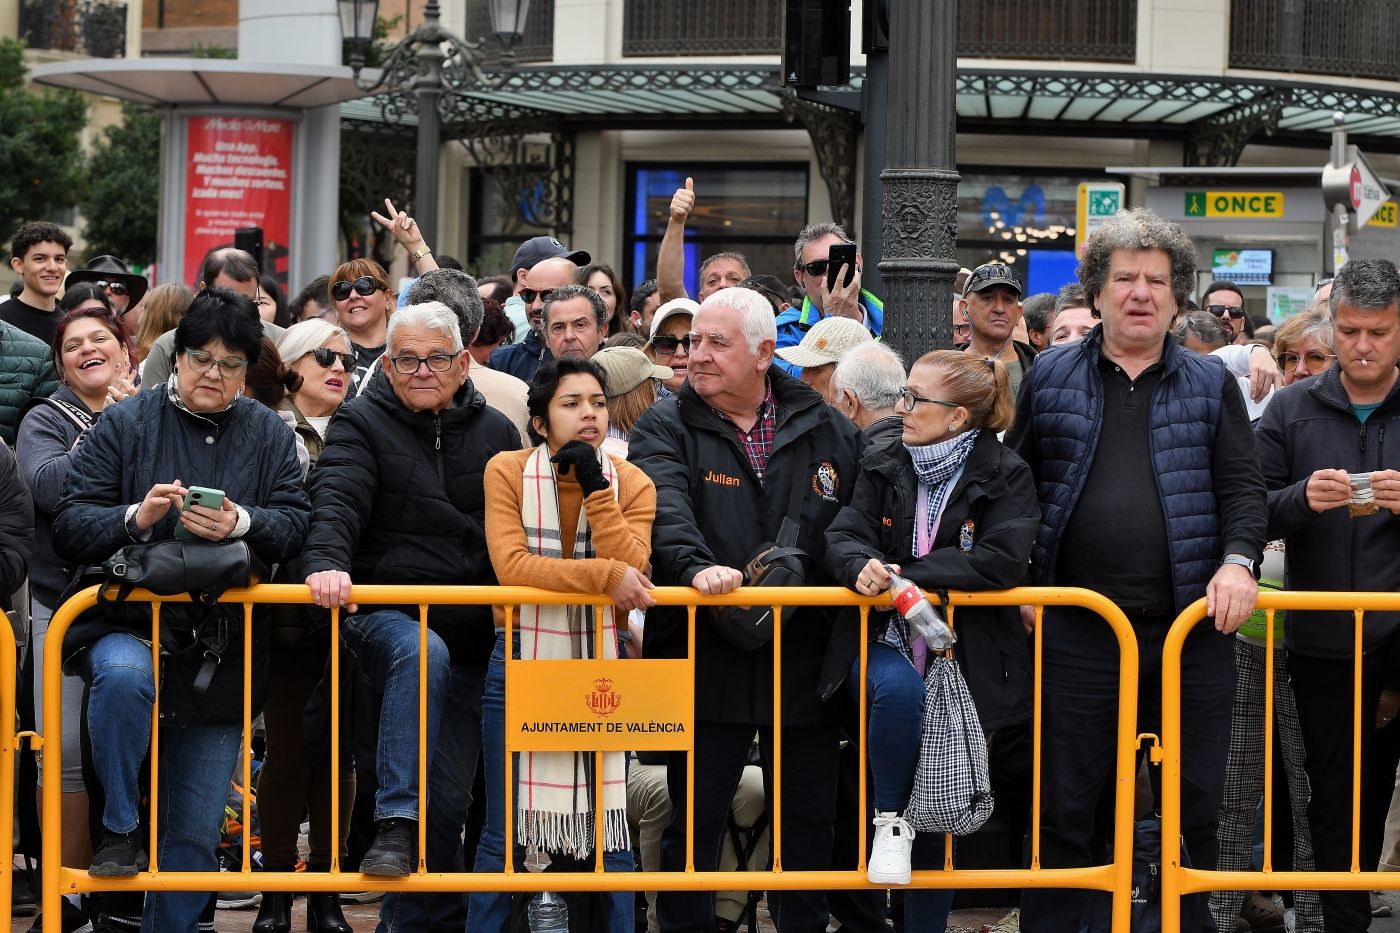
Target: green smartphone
<point>199,495</point>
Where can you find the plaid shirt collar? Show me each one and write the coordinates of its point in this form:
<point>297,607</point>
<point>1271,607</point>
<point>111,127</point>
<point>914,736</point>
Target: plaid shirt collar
<point>758,442</point>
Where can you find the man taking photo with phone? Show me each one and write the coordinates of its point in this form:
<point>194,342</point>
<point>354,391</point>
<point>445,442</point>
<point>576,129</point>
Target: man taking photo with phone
<point>828,291</point>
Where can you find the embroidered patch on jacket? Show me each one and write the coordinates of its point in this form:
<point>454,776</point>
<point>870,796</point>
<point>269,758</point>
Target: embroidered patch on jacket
<point>965,535</point>
<point>825,482</point>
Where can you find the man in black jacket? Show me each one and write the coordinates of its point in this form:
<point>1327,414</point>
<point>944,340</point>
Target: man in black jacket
<point>725,453</point>
<point>398,498</point>
<point>1311,437</point>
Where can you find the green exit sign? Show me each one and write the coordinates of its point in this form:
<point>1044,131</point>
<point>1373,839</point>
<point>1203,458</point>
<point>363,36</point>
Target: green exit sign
<point>1105,203</point>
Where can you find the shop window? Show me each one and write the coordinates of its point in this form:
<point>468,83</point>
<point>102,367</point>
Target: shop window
<point>756,209</point>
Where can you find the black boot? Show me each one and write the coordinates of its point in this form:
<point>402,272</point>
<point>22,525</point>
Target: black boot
<point>275,913</point>
<point>394,850</point>
<point>323,914</point>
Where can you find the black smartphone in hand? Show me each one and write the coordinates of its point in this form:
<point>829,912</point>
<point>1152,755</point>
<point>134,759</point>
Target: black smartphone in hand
<point>842,254</point>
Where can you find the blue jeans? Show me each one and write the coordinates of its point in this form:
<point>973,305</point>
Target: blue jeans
<point>896,707</point>
<point>196,763</point>
<point>385,648</point>
<point>122,690</point>
<point>450,775</point>
<point>488,912</point>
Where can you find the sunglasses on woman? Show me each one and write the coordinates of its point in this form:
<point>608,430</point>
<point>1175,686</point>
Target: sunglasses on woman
<point>365,285</point>
<point>666,346</point>
<point>326,357</point>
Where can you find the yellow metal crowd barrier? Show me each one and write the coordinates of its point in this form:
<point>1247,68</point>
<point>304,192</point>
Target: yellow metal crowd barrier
<point>1178,880</point>
<point>665,684</point>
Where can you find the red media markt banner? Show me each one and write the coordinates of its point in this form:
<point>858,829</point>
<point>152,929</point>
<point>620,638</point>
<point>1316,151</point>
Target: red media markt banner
<point>238,174</point>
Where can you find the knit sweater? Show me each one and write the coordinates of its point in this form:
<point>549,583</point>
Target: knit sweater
<point>621,529</point>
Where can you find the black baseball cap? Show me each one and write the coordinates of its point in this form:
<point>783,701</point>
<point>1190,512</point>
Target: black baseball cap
<point>538,249</point>
<point>989,274</point>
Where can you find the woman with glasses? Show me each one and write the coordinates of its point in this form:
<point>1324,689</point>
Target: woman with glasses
<point>93,355</point>
<point>128,482</point>
<point>947,506</point>
<point>670,340</point>
<point>1302,349</point>
<point>363,302</point>
<point>1303,346</point>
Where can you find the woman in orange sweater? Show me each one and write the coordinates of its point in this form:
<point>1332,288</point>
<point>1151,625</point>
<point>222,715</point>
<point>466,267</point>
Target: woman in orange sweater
<point>563,516</point>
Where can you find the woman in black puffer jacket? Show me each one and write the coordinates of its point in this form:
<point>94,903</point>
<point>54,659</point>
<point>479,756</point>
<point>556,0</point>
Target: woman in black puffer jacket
<point>951,508</point>
<point>128,483</point>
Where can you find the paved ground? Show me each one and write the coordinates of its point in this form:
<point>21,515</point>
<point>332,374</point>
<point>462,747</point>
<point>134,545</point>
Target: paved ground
<point>363,918</point>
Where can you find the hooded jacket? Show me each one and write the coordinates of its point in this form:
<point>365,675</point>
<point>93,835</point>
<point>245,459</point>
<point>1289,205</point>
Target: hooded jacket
<point>1309,426</point>
<point>399,498</point>
<point>983,542</point>
<point>712,510</point>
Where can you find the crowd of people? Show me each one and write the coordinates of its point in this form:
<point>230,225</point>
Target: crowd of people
<point>1116,436</point>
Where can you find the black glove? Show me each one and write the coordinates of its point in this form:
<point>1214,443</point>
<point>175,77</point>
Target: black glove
<point>583,458</point>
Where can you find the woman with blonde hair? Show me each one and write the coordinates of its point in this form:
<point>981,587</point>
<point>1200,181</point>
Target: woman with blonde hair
<point>947,506</point>
<point>164,306</point>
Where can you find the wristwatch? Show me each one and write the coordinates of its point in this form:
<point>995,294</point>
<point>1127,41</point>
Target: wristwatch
<point>419,253</point>
<point>1244,562</point>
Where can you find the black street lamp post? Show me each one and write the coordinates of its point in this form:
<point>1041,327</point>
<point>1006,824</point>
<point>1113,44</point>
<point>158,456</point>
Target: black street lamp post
<point>419,61</point>
<point>920,180</point>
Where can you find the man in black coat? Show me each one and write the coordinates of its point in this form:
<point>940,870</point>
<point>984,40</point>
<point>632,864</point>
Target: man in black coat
<point>398,498</point>
<point>1311,437</point>
<point>725,452</point>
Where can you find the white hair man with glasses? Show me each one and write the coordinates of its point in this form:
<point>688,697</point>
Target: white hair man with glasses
<point>399,498</point>
<point>726,453</point>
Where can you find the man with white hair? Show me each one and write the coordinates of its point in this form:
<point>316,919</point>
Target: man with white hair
<point>867,385</point>
<point>815,357</point>
<point>737,448</point>
<point>398,498</point>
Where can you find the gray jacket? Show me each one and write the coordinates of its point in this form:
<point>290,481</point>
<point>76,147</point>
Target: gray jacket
<point>47,441</point>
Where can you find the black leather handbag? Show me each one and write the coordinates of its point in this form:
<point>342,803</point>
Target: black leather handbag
<point>204,569</point>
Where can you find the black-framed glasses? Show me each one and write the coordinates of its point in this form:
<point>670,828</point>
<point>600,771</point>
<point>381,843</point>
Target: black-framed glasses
<point>326,358</point>
<point>816,267</point>
<point>365,285</point>
<point>911,399</point>
<point>408,364</point>
<point>1313,359</point>
<point>201,361</point>
<point>962,331</point>
<point>116,288</point>
<point>666,346</point>
<point>1222,310</point>
<point>528,295</point>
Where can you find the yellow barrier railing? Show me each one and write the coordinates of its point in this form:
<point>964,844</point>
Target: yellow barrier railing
<point>1178,880</point>
<point>1114,877</point>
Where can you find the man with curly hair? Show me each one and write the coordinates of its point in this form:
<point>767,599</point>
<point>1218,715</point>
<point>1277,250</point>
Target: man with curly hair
<point>1150,493</point>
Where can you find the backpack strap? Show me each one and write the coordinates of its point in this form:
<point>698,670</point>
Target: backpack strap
<point>79,416</point>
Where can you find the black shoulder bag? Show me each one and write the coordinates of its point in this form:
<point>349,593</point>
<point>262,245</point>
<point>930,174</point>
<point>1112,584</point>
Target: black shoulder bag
<point>776,563</point>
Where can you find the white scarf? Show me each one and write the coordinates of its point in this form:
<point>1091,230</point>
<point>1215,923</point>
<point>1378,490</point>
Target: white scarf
<point>554,790</point>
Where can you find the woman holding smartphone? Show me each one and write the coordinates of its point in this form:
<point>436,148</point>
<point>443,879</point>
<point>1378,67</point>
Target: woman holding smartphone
<point>129,482</point>
<point>561,511</point>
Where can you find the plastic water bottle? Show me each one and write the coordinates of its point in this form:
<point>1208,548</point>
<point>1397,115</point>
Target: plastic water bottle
<point>923,619</point>
<point>548,913</point>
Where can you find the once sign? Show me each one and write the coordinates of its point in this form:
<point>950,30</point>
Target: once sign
<point>1235,204</point>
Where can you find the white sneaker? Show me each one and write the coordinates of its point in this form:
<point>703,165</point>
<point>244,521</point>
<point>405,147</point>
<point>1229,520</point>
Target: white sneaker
<point>889,853</point>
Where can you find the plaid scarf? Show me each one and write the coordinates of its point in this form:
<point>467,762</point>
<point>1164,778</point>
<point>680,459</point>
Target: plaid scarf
<point>554,791</point>
<point>936,465</point>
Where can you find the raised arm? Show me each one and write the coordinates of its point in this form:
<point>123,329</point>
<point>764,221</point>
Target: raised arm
<point>670,258</point>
